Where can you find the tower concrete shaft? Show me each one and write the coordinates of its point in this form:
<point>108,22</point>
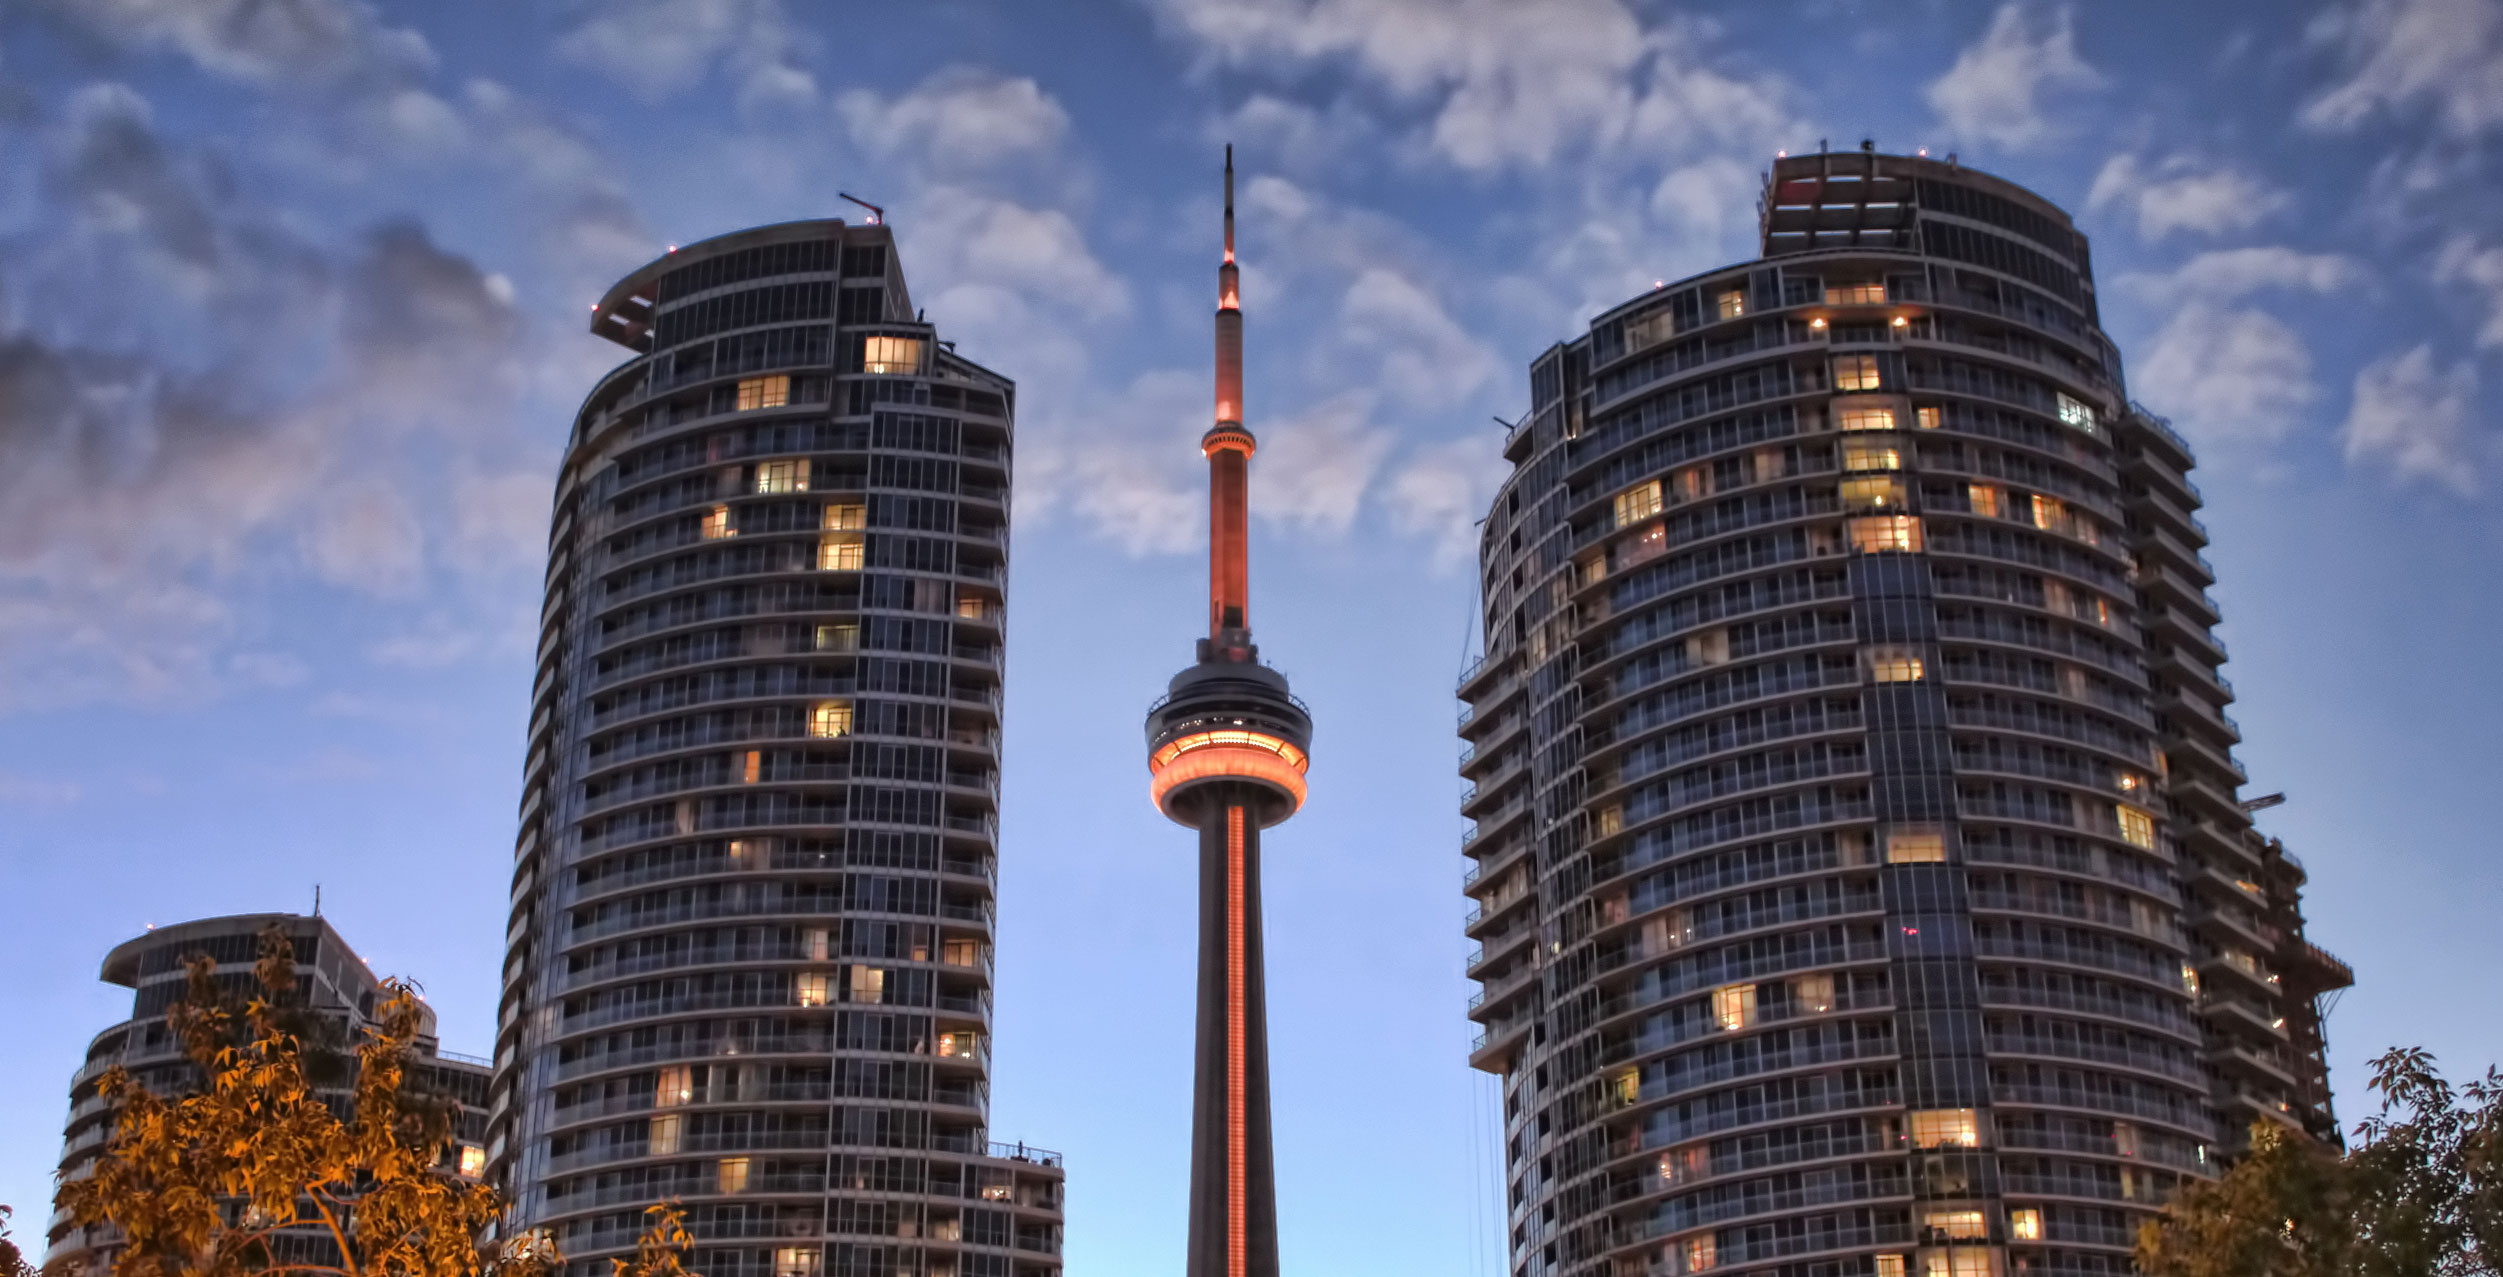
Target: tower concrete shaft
<point>1226,757</point>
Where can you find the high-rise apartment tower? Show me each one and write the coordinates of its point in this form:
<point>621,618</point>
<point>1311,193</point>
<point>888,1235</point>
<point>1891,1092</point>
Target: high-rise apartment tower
<point>333,986</point>
<point>751,936</point>
<point>1862,884</point>
<point>1225,756</point>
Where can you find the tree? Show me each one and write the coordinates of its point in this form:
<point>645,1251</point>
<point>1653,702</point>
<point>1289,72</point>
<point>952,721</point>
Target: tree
<point>219,1181</point>
<point>2420,1196</point>
<point>12,1260</point>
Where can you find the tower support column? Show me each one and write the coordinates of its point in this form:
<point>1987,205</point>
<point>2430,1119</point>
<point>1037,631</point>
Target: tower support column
<point>1234,1230</point>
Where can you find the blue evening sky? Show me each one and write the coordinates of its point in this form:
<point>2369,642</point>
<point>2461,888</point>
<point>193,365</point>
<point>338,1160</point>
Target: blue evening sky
<point>292,302</point>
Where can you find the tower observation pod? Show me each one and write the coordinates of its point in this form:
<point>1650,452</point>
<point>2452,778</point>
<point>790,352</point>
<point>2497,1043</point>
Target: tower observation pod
<point>1225,756</point>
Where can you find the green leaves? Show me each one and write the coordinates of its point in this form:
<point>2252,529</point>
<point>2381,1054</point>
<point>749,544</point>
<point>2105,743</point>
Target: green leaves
<point>2418,1197</point>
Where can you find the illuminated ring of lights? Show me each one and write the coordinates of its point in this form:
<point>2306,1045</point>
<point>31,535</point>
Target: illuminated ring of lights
<point>1231,754</point>
<point>1225,438</point>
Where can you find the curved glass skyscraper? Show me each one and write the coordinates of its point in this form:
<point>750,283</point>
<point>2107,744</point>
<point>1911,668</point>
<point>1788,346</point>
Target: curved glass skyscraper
<point>1860,875</point>
<point>751,935</point>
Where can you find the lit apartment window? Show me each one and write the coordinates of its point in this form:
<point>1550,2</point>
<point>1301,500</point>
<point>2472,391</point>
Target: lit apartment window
<point>1732,304</point>
<point>1650,543</point>
<point>1734,1006</point>
<point>764,392</point>
<point>1638,503</point>
<point>673,1086</point>
<point>1943,1128</point>
<point>664,1140</point>
<point>1855,372</point>
<point>830,718</point>
<point>2050,513</point>
<point>1959,1261</point>
<point>2190,979</point>
<point>1683,1163</point>
<point>1701,1255</point>
<point>751,766</point>
<point>846,518</point>
<point>2125,1139</point>
<point>717,524</point>
<point>971,607</point>
<point>890,354</point>
<point>1712,647</point>
<point>473,1161</point>
<point>1854,294</point>
<point>1926,417</point>
<point>782,476</point>
<point>1870,456</point>
<point>840,554</point>
<point>2076,414</point>
<point>1915,846</point>
<point>868,984</point>
<point>1983,498</point>
<point>1812,994</point>
<point>1878,534</point>
<point>2137,827</point>
<point>1890,1266</point>
<point>837,638</point>
<point>1611,820</point>
<point>1872,493</point>
<point>795,1261</point>
<point>960,1045</point>
<point>808,988</point>
<point>730,1176</point>
<point>1892,664</point>
<point>1958,1224</point>
<point>2025,1224</point>
<point>1865,419</point>
<point>1693,482</point>
<point>1629,1086</point>
<point>961,953</point>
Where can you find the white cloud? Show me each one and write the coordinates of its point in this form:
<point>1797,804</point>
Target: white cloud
<point>1424,359</point>
<point>1440,492</point>
<point>659,47</point>
<point>960,118</point>
<point>364,536</point>
<point>2223,275</point>
<point>1504,83</point>
<point>296,42</point>
<point>2416,419</point>
<point>1314,467</point>
<point>1997,88</point>
<point>2235,377</point>
<point>2464,261</point>
<point>2448,53</point>
<point>2183,194</point>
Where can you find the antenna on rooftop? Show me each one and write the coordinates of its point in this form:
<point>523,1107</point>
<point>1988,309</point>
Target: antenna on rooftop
<point>877,215</point>
<point>317,900</point>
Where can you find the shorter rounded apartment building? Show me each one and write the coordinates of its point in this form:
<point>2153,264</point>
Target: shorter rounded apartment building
<point>333,983</point>
<point>1859,877</point>
<point>751,947</point>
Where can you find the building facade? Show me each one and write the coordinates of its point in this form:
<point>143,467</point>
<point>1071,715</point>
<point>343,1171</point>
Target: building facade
<point>750,949</point>
<point>1861,877</point>
<point>334,984</point>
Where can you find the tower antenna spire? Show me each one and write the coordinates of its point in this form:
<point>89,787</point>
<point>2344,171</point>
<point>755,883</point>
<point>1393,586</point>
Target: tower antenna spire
<point>1228,447</point>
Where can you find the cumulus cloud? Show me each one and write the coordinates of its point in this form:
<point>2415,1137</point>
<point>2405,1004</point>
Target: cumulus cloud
<point>2182,194</point>
<point>1315,466</point>
<point>1423,357</point>
<point>959,118</point>
<point>2417,419</point>
<point>1502,83</point>
<point>2228,372</point>
<point>1997,90</point>
<point>142,483</point>
<point>2444,54</point>
<point>660,47</point>
<point>2465,262</point>
<point>1440,492</point>
<point>293,43</point>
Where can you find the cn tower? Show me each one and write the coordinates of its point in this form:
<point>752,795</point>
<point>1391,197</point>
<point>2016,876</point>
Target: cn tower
<point>1225,756</point>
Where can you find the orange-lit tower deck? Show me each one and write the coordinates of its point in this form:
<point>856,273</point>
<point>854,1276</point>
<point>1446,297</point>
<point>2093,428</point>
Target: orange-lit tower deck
<point>1225,755</point>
